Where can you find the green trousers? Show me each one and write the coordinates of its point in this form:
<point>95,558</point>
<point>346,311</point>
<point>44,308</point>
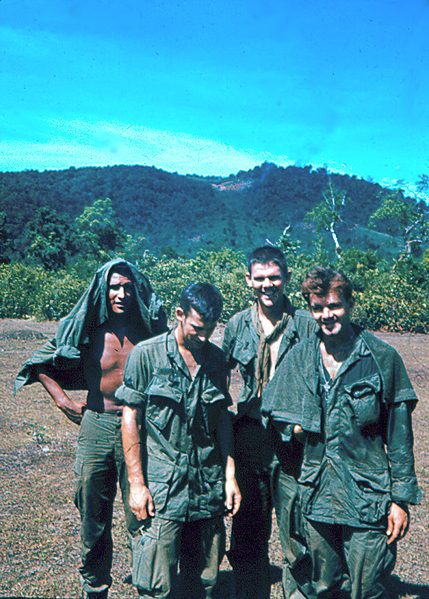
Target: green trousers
<point>99,465</point>
<point>159,547</point>
<point>349,562</point>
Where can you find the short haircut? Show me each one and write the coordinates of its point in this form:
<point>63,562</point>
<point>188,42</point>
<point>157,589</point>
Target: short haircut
<point>321,280</point>
<point>266,254</point>
<point>204,298</point>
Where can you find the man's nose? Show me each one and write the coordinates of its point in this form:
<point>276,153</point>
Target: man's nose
<point>121,292</point>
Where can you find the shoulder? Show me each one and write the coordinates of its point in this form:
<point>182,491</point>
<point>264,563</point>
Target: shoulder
<point>304,315</point>
<point>378,347</point>
<point>239,322</point>
<point>306,348</point>
<point>304,323</point>
<point>153,345</point>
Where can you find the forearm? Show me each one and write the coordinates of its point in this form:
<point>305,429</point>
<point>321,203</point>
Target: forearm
<point>140,499</point>
<point>131,441</point>
<point>225,439</point>
<point>226,442</point>
<point>72,409</point>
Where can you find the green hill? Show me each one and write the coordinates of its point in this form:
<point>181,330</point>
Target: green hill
<point>189,213</point>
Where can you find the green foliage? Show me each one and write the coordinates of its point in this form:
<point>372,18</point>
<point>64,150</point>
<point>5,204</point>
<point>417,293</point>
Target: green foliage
<point>389,297</point>
<point>5,241</point>
<point>100,236</point>
<point>399,215</point>
<point>425,260</point>
<point>33,292</point>
<point>224,268</point>
<point>289,245</point>
<point>188,213</point>
<point>394,214</point>
<point>391,303</point>
<point>51,239</point>
<point>327,214</point>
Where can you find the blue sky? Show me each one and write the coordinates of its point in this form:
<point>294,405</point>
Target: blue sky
<point>216,87</point>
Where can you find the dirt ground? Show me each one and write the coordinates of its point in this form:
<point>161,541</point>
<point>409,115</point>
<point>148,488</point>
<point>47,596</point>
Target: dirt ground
<point>39,525</point>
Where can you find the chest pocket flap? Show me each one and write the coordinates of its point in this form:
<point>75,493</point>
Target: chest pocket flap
<point>364,398</point>
<point>164,397</point>
<point>244,351</point>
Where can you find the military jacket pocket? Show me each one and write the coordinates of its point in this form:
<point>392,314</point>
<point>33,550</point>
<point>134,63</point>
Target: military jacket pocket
<point>244,351</point>
<point>212,402</point>
<point>364,399</point>
<point>370,493</point>
<point>160,475</point>
<point>163,401</point>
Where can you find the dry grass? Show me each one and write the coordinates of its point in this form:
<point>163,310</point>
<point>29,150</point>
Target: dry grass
<point>40,526</point>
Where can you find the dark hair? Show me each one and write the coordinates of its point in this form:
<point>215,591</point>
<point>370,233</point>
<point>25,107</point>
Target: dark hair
<point>266,254</point>
<point>121,268</point>
<point>321,280</point>
<point>204,298</point>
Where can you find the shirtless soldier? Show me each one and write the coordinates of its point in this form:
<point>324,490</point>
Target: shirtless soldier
<point>90,350</point>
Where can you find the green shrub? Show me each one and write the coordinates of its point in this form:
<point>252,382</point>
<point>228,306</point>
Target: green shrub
<point>388,297</point>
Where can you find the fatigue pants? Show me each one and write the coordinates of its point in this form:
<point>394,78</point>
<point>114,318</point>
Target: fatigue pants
<point>251,527</point>
<point>99,465</point>
<point>296,577</point>
<point>266,472</point>
<point>161,544</point>
<point>349,562</point>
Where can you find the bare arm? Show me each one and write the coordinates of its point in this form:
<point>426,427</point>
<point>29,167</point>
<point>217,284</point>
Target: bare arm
<point>141,502</point>
<point>225,439</point>
<point>72,409</point>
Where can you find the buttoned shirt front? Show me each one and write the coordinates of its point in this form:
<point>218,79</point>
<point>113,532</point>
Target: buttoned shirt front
<point>240,345</point>
<point>183,465</point>
<point>358,453</point>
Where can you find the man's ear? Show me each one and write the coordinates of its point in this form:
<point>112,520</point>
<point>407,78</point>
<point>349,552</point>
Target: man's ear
<point>286,277</point>
<point>248,279</point>
<point>352,302</point>
<point>180,314</point>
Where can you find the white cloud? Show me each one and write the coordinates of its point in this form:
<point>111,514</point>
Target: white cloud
<point>84,143</point>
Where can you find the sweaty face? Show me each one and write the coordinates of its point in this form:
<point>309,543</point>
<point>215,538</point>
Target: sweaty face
<point>268,284</point>
<point>332,313</point>
<point>193,332</point>
<point>120,293</point>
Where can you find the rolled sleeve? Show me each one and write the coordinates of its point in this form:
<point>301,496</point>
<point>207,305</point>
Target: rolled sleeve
<point>400,453</point>
<point>130,397</point>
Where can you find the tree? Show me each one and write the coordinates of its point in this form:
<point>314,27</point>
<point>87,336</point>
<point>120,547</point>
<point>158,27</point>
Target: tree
<point>52,240</point>
<point>5,241</point>
<point>289,246</point>
<point>327,214</point>
<point>99,233</point>
<point>402,216</point>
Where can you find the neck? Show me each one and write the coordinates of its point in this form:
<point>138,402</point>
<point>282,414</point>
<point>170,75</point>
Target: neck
<point>117,321</point>
<point>273,313</point>
<point>341,343</point>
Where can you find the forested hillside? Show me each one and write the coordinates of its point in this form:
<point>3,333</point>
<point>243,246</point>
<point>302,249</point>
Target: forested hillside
<point>188,213</point>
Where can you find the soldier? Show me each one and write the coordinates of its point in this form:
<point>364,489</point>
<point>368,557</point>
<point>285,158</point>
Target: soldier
<point>89,351</point>
<point>350,399</point>
<point>177,438</point>
<point>258,339</point>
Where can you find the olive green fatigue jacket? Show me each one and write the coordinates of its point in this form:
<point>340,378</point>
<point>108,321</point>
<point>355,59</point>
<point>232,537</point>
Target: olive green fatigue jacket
<point>182,461</point>
<point>62,356</point>
<point>240,345</point>
<point>358,453</point>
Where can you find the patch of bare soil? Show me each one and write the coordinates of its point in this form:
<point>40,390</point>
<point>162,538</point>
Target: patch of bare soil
<point>39,525</point>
